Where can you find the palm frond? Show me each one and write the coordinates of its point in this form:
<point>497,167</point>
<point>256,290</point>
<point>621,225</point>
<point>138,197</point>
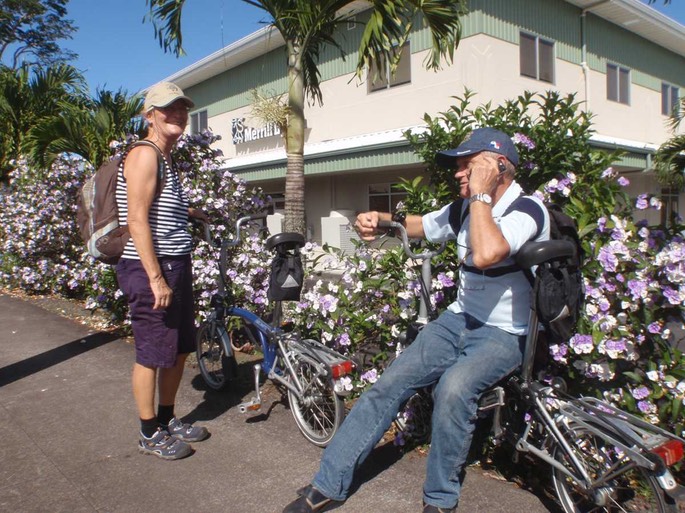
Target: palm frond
<point>669,162</point>
<point>165,16</point>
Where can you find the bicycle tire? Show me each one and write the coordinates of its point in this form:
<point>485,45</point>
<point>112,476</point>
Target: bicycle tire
<point>321,411</point>
<point>633,490</point>
<point>216,367</point>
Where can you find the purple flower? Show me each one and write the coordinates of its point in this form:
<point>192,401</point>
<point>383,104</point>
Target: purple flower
<point>654,327</point>
<point>641,392</point>
<point>601,224</point>
<point>623,181</point>
<point>608,173</point>
<point>672,295</point>
<point>641,202</point>
<point>637,288</point>
<point>644,406</point>
<point>581,343</point>
<point>523,140</point>
<point>608,260</point>
<point>445,280</point>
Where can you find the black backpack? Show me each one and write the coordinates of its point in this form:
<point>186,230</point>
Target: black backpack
<point>560,292</point>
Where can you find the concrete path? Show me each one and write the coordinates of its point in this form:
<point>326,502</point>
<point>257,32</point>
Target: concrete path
<point>69,439</point>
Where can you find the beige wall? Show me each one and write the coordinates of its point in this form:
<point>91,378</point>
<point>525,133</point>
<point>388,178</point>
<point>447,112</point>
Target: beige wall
<point>487,66</point>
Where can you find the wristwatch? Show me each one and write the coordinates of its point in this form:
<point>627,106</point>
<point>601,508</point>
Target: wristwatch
<point>481,196</point>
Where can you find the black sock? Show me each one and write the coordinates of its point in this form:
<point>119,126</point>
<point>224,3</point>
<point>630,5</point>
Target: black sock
<point>165,412</point>
<point>149,426</point>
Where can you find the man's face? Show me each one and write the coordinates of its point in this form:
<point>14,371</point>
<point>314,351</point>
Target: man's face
<point>463,173</point>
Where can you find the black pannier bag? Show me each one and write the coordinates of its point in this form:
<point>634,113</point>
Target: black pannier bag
<point>287,271</point>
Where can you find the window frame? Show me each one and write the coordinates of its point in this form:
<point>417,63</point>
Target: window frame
<point>535,60</point>
<point>614,73</point>
<point>389,80</point>
<point>670,96</point>
<point>393,195</point>
<point>200,118</point>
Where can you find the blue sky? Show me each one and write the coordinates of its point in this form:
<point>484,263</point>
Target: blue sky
<point>117,50</point>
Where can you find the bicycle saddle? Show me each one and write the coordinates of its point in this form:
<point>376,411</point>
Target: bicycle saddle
<point>288,240</point>
<point>535,253</point>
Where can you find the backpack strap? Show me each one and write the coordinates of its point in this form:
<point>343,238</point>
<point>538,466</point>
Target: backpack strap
<point>161,163</point>
<point>457,214</point>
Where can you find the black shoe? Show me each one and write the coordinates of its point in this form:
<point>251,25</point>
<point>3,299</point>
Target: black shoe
<point>310,500</point>
<point>429,508</point>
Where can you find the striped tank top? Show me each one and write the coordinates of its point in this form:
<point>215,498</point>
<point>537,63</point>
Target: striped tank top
<point>168,216</point>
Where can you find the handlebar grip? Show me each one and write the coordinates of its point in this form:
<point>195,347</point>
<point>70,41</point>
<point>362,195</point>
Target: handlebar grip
<point>387,224</point>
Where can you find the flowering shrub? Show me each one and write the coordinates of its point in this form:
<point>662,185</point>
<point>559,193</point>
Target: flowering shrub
<point>634,273</point>
<point>42,252</point>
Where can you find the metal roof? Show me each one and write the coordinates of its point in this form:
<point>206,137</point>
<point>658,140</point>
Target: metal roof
<point>639,18</point>
<point>632,15</point>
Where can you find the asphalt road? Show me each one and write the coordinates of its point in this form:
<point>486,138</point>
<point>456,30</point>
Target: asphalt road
<point>70,433</point>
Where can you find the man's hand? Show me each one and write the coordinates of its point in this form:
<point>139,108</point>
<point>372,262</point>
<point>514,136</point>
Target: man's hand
<point>483,174</point>
<point>366,225</point>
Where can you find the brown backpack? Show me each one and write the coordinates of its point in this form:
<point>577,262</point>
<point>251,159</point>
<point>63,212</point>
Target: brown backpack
<point>97,212</point>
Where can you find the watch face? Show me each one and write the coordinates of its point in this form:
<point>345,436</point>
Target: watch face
<point>486,198</point>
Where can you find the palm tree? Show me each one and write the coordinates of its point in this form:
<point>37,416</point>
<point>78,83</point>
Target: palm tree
<point>669,160</point>
<point>308,26</point>
<point>27,98</point>
<point>86,128</point>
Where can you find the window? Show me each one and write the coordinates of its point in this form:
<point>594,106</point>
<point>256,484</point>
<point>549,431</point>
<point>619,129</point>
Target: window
<point>384,197</point>
<point>198,122</point>
<point>618,84</point>
<point>537,57</point>
<point>383,79</point>
<point>669,99</point>
<point>669,206</point>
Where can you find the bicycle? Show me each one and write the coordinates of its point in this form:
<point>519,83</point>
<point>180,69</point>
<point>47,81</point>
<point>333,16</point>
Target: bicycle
<point>306,369</point>
<point>601,458</point>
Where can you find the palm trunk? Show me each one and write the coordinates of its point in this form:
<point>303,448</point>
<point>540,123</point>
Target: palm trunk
<point>294,144</point>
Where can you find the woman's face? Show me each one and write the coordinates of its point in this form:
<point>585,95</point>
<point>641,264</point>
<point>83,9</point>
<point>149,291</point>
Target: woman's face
<point>169,121</point>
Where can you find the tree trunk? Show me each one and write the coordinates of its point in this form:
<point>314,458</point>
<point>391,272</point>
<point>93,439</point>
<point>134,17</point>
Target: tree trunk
<point>294,144</point>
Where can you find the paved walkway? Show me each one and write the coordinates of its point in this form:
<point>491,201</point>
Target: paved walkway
<point>69,439</point>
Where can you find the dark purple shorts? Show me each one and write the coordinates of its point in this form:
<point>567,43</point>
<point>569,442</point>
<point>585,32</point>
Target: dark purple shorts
<point>160,335</point>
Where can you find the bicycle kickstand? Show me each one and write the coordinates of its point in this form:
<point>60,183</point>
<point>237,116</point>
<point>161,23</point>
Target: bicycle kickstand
<point>256,402</point>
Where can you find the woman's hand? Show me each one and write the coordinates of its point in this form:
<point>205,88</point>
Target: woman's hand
<point>163,294</point>
<point>196,213</point>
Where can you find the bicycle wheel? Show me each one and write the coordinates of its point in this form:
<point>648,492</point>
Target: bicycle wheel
<point>617,485</point>
<point>216,367</point>
<point>320,412</point>
<point>414,420</point>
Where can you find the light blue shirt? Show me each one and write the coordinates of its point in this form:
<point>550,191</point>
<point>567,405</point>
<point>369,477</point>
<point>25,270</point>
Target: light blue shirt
<point>501,301</point>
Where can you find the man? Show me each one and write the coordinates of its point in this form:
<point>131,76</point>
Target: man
<point>476,342</point>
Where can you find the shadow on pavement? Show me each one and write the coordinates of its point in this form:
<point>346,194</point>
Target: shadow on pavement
<point>19,370</point>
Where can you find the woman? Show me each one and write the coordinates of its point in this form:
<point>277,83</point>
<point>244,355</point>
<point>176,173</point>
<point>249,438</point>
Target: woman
<point>155,273</point>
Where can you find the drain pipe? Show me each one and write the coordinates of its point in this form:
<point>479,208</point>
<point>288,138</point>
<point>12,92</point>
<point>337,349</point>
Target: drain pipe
<point>583,48</point>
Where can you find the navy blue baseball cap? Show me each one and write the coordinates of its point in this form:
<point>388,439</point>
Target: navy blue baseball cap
<point>481,139</point>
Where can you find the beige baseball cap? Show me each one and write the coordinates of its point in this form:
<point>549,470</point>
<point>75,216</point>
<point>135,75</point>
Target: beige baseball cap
<point>163,94</point>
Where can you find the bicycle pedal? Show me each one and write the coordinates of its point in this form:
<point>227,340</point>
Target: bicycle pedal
<point>253,405</point>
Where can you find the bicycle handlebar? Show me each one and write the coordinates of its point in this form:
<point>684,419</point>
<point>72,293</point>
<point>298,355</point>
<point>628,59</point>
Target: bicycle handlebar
<point>242,221</point>
<point>399,228</point>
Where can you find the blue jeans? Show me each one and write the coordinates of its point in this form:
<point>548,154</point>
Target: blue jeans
<point>465,357</point>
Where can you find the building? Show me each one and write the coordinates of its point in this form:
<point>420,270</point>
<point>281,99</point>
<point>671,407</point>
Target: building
<point>623,59</point>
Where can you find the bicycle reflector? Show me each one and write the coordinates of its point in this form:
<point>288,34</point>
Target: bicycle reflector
<point>341,369</point>
<point>670,451</point>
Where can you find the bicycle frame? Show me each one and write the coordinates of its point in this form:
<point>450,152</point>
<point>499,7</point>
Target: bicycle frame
<point>277,346</point>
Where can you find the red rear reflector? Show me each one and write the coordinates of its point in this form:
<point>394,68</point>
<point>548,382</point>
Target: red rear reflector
<point>671,452</point>
<point>341,369</point>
